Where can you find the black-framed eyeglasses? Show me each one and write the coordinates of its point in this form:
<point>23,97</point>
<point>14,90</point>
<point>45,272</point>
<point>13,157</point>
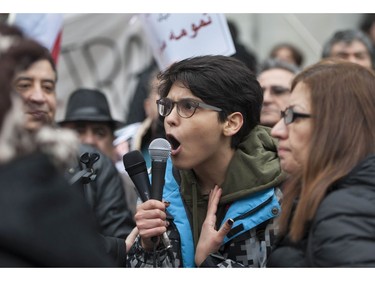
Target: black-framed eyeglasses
<point>290,116</point>
<point>185,107</point>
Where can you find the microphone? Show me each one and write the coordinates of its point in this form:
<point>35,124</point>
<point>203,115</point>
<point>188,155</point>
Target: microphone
<point>135,165</point>
<point>160,150</point>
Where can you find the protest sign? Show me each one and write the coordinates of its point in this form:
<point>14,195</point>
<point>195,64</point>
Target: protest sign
<point>174,37</point>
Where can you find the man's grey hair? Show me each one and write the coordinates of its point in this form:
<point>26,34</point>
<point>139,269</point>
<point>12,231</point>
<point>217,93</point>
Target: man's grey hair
<point>271,63</point>
<point>348,36</point>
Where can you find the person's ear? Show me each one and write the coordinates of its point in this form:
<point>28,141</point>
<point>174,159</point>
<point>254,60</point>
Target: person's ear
<point>233,124</point>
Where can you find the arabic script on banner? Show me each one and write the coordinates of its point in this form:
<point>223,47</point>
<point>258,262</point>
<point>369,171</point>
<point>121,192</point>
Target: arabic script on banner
<point>174,37</point>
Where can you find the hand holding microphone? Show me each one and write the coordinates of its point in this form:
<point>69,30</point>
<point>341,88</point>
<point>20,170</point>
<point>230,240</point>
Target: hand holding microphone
<point>135,165</point>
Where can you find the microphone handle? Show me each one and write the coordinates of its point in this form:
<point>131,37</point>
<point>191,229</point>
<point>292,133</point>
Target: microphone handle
<point>142,185</point>
<point>158,174</point>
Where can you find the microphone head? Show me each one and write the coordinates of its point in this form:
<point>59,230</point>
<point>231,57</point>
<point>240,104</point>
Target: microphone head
<point>160,150</point>
<point>134,162</point>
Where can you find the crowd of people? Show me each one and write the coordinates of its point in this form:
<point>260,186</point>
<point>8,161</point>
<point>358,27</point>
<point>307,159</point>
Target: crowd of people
<point>271,165</point>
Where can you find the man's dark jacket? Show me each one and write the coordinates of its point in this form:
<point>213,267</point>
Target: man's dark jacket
<point>44,222</point>
<point>106,196</point>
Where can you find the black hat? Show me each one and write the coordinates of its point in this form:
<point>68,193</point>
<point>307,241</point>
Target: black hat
<point>89,105</point>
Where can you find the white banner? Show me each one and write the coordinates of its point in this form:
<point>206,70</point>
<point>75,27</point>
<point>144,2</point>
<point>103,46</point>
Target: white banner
<point>103,51</point>
<point>174,37</point>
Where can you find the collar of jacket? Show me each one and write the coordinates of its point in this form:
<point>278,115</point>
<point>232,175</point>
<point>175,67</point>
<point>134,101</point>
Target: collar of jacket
<point>254,167</point>
<point>362,173</point>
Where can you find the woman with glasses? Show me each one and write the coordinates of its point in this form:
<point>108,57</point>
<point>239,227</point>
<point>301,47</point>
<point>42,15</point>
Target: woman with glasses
<point>328,217</point>
<point>287,161</point>
<point>222,188</point>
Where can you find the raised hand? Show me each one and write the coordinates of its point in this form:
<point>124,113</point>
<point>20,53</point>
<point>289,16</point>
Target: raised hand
<point>211,239</point>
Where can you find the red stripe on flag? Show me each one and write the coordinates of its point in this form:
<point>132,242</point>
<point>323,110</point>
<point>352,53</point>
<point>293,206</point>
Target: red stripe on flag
<point>56,47</point>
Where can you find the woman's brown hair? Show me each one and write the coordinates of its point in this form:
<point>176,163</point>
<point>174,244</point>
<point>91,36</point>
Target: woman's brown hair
<point>343,108</point>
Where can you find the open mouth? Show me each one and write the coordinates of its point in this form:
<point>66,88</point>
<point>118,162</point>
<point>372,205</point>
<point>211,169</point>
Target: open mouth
<point>173,141</point>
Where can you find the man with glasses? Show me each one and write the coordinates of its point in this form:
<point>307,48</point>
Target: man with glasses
<point>220,194</point>
<point>275,78</point>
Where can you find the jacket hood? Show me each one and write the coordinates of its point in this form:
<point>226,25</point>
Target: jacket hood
<point>255,166</point>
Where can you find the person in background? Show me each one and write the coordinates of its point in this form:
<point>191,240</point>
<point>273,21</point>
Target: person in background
<point>288,53</point>
<point>44,222</point>
<point>88,114</point>
<point>275,78</point>
<point>222,188</point>
<point>243,54</point>
<point>328,206</point>
<point>367,25</point>
<point>350,45</point>
<point>138,136</point>
<point>136,112</point>
<point>105,194</point>
<point>102,188</point>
